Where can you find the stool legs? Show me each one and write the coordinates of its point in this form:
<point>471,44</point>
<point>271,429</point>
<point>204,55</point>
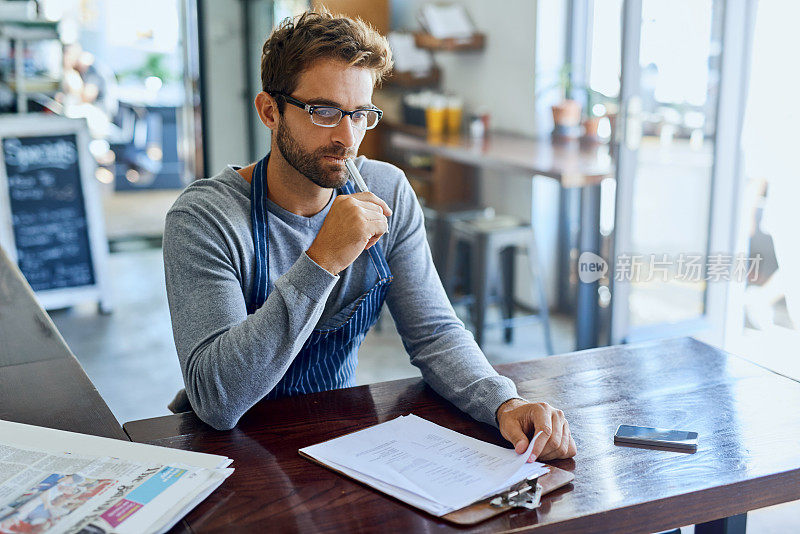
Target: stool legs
<point>481,286</point>
<point>507,264</point>
<point>539,293</point>
<point>489,255</point>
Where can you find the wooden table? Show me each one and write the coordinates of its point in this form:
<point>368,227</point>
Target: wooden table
<point>570,163</point>
<point>748,455</point>
<point>578,169</point>
<point>41,382</point>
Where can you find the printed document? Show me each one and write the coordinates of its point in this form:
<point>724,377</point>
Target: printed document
<point>426,465</point>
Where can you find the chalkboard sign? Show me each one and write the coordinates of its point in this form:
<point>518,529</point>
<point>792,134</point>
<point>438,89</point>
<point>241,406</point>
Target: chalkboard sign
<point>47,213</point>
<point>52,207</point>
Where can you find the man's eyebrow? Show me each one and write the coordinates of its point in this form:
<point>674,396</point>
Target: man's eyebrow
<point>326,102</point>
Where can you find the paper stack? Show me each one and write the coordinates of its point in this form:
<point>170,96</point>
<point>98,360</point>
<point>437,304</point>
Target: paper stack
<point>425,465</point>
<point>57,481</point>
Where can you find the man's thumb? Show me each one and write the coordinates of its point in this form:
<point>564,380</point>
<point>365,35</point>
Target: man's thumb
<point>517,437</point>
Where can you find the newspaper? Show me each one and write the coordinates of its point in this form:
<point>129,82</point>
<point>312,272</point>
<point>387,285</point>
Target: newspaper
<point>45,490</point>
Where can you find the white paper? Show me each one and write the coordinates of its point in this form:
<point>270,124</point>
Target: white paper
<point>54,441</point>
<point>407,57</point>
<point>428,466</point>
<point>445,21</point>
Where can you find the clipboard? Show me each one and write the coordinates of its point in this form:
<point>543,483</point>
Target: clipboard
<point>483,509</point>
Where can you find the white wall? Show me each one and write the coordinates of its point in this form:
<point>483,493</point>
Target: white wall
<point>499,77</point>
<point>226,122</point>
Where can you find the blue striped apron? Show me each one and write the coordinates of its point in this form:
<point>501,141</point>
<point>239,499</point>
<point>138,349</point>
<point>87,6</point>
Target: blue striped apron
<point>329,356</point>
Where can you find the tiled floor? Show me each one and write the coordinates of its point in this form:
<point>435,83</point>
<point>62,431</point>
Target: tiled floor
<point>130,356</point>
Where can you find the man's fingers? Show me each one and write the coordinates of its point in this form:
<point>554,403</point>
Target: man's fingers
<point>514,433</point>
<point>566,437</point>
<point>567,448</point>
<point>573,449</point>
<point>557,447</point>
<point>376,228</point>
<point>542,421</point>
<point>371,198</point>
<point>370,207</point>
<point>552,445</point>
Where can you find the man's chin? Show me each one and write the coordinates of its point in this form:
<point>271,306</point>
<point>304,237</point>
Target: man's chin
<point>331,180</point>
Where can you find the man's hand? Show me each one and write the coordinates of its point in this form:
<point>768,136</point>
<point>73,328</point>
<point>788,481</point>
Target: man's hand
<point>353,224</point>
<point>519,419</point>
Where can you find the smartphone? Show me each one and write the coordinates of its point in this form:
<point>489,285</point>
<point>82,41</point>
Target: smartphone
<point>657,437</point>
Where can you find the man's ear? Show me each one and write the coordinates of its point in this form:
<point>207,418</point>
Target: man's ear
<point>267,108</point>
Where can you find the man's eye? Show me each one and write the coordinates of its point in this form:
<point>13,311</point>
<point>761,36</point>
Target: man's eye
<point>359,115</point>
<point>326,113</point>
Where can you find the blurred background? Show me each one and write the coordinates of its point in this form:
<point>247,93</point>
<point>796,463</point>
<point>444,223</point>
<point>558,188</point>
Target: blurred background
<point>592,172</point>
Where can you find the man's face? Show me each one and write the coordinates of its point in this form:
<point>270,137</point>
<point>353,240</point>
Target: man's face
<point>315,151</point>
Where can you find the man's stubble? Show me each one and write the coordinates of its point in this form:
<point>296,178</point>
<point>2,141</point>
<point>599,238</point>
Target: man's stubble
<point>311,164</point>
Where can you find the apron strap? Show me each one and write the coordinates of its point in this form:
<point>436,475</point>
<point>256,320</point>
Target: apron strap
<point>258,215</point>
<point>260,223</point>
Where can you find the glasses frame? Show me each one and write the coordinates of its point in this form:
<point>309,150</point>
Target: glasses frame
<point>309,108</point>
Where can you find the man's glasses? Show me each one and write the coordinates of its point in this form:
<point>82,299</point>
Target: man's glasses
<point>331,116</point>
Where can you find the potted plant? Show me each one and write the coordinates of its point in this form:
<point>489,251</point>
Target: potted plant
<point>567,112</point>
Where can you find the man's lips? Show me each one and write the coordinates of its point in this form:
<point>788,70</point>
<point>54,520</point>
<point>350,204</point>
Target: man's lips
<point>338,159</point>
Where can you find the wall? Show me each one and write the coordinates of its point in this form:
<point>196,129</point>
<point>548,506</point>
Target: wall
<point>520,35</point>
<point>501,76</point>
<point>226,121</point>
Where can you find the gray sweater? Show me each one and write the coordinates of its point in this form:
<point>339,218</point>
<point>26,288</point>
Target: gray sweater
<point>231,360</point>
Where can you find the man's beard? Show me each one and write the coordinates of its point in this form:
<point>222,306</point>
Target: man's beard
<point>312,165</point>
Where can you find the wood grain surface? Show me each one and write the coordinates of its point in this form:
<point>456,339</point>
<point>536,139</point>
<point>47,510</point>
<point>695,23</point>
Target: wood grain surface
<point>748,455</point>
<point>571,164</point>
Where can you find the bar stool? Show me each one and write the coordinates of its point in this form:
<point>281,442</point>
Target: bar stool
<point>438,223</point>
<point>493,244</point>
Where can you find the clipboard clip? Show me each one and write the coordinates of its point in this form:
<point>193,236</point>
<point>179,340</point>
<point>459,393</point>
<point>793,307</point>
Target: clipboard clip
<point>524,494</point>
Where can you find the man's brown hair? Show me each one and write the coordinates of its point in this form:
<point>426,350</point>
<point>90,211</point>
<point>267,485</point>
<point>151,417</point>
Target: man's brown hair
<point>300,41</point>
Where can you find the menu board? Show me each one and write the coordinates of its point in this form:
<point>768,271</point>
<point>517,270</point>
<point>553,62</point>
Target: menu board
<point>51,220</point>
<point>48,212</point>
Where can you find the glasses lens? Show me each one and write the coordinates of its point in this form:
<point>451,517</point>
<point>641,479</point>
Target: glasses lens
<point>371,119</point>
<point>365,119</point>
<point>326,116</point>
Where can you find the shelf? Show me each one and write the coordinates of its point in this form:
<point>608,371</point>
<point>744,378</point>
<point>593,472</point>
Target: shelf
<point>429,42</point>
<point>409,129</point>
<point>411,80</point>
<point>36,85</point>
<point>29,31</point>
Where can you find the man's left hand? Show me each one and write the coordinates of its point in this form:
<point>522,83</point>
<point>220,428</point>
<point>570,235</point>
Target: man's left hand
<point>518,419</point>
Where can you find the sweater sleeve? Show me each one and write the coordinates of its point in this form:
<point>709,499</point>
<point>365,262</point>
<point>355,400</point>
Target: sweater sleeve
<point>436,340</point>
<point>229,359</point>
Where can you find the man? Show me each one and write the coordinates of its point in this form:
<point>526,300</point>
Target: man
<point>276,271</point>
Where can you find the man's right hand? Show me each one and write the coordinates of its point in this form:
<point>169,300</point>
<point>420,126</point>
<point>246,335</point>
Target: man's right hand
<point>353,224</point>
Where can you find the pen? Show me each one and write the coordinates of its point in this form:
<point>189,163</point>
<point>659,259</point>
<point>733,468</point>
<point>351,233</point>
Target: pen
<point>355,175</point>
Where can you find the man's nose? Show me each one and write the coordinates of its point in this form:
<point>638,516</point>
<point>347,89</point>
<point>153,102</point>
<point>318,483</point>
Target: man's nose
<point>345,133</point>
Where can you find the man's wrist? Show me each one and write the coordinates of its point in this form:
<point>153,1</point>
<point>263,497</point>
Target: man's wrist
<point>508,405</point>
<point>323,262</point>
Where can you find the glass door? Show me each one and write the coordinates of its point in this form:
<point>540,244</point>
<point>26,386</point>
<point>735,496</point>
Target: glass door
<point>677,172</point>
